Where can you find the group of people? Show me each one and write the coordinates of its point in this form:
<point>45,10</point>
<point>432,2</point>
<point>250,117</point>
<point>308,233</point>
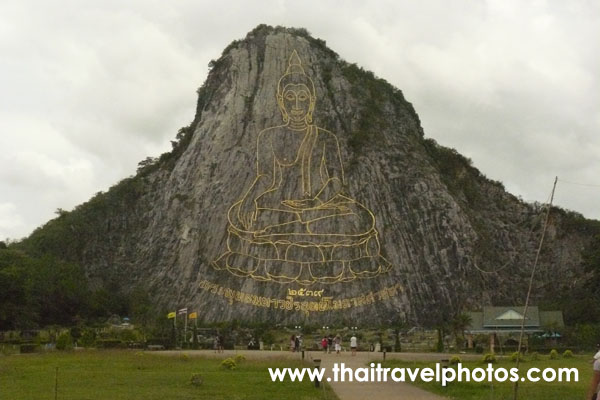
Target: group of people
<point>329,342</point>
<point>295,343</point>
<point>218,344</point>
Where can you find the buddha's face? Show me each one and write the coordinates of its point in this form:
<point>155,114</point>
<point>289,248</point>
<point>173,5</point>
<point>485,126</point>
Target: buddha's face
<point>296,102</point>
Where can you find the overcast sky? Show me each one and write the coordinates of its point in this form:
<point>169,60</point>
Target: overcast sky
<point>88,89</point>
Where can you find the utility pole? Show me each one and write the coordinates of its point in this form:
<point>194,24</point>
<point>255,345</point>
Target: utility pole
<point>535,263</point>
<point>56,384</point>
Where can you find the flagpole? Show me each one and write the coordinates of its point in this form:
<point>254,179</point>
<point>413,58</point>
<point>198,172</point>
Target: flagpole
<point>175,327</point>
<point>185,328</point>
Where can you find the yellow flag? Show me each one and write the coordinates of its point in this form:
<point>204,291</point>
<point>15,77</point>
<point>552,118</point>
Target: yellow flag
<point>171,315</point>
<point>193,315</point>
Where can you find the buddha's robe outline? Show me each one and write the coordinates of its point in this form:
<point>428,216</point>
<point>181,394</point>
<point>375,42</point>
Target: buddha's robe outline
<point>315,172</point>
<point>333,241</point>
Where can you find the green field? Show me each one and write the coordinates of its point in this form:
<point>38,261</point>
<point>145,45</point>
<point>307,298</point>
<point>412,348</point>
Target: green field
<point>128,375</point>
<point>501,391</point>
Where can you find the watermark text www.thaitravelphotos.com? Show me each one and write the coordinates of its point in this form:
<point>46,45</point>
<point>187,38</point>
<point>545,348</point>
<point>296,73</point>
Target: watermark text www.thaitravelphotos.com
<point>440,374</point>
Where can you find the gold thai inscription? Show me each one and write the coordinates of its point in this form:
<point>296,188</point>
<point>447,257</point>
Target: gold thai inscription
<point>289,303</point>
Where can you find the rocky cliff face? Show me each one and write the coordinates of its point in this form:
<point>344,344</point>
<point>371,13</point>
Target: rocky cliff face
<point>453,238</point>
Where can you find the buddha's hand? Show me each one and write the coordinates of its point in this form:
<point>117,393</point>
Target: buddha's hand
<point>247,213</point>
<point>304,204</point>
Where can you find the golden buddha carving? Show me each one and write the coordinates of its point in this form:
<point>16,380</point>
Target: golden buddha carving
<point>294,223</point>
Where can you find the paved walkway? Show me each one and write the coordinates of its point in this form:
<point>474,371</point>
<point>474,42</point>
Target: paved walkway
<point>347,390</point>
<point>370,390</point>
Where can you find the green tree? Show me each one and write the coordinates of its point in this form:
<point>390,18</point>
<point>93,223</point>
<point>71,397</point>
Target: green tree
<point>64,342</point>
<point>460,323</point>
<point>17,308</point>
<point>195,344</point>
<point>59,291</point>
<point>140,306</point>
<point>88,338</point>
<point>580,299</point>
<point>41,291</point>
<point>439,347</point>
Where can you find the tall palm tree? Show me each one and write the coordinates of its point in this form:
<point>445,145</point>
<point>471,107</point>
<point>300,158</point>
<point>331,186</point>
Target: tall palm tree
<point>460,323</point>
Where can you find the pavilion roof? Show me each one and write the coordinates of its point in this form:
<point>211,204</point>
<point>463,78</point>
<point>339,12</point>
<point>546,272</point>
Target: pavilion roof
<point>510,318</point>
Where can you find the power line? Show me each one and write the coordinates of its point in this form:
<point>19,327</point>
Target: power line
<point>579,184</point>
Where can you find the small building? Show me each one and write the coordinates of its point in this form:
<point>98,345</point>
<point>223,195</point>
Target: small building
<point>503,324</point>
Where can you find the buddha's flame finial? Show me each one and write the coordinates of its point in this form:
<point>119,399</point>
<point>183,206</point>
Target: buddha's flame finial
<point>294,64</point>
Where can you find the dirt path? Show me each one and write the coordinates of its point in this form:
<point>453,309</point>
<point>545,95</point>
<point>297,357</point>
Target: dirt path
<point>369,390</point>
<point>345,390</point>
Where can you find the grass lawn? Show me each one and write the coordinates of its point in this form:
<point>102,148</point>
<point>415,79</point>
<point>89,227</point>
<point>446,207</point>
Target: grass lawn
<point>499,391</point>
<point>128,375</point>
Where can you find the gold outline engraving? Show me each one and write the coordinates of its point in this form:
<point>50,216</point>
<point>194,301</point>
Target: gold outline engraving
<point>298,240</point>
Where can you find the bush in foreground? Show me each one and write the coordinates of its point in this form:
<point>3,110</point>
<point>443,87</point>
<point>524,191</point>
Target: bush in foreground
<point>28,348</point>
<point>196,380</point>
<point>239,358</point>
<point>229,363</point>
<point>516,356</point>
<point>455,360</point>
<point>64,342</point>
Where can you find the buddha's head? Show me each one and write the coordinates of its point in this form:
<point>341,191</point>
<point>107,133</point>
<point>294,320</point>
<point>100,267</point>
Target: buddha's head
<point>296,94</point>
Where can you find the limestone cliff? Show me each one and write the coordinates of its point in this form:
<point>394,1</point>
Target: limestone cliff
<point>452,237</point>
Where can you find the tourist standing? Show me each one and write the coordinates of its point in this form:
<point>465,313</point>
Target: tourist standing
<point>293,343</point>
<point>324,344</point>
<point>221,344</point>
<point>329,343</point>
<point>593,391</point>
<point>297,343</point>
<point>353,344</point>
<point>338,344</point>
